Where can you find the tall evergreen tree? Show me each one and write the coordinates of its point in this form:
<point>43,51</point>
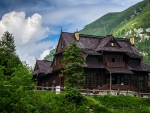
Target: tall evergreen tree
<point>73,66</point>
<point>8,57</point>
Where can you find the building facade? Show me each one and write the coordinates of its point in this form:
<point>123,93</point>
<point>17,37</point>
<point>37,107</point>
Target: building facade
<point>110,63</point>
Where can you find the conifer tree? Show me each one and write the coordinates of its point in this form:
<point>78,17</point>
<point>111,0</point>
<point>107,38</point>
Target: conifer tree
<point>8,57</point>
<point>73,66</point>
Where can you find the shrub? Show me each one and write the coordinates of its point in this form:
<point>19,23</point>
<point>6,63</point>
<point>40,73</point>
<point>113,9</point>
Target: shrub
<point>73,95</point>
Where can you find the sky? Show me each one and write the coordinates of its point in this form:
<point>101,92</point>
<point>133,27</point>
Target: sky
<point>36,24</point>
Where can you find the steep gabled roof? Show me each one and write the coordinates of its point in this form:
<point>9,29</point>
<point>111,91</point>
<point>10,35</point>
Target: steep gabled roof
<point>104,41</point>
<point>85,41</point>
<point>90,51</point>
<point>130,50</point>
<point>43,66</point>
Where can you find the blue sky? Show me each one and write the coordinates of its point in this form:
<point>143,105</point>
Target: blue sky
<point>36,24</point>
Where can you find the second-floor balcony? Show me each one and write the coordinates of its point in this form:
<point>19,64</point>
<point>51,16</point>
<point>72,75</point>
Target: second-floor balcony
<point>115,64</point>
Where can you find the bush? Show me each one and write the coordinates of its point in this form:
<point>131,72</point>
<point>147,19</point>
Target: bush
<point>73,95</point>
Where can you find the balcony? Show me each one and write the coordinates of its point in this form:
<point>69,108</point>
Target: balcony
<point>115,64</point>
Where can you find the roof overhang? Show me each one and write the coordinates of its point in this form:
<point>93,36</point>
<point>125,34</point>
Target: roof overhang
<point>119,70</point>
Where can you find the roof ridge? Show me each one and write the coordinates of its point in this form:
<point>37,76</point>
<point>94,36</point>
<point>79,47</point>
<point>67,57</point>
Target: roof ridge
<point>95,36</point>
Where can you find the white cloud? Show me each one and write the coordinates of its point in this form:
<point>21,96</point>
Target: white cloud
<point>27,33</point>
<point>76,17</point>
<point>46,52</point>
<point>24,29</point>
<point>126,2</point>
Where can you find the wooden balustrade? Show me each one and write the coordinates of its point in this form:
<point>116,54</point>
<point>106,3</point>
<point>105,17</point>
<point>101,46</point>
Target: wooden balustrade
<point>115,64</point>
<point>105,87</point>
<point>125,87</point>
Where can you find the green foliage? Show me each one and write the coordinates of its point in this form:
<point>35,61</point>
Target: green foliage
<point>8,57</point>
<point>113,20</point>
<point>73,66</point>
<point>124,104</point>
<point>74,96</point>
<point>119,101</point>
<point>96,106</point>
<point>15,90</point>
<point>50,56</point>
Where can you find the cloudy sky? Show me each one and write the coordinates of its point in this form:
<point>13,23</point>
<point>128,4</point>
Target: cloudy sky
<point>36,24</point>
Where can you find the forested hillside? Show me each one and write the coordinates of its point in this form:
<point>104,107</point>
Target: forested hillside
<point>110,21</point>
<point>50,56</point>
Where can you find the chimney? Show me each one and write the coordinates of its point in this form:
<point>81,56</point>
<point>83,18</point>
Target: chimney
<point>132,40</point>
<point>77,35</point>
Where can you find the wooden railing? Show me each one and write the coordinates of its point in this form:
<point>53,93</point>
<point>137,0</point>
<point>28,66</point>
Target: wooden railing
<point>105,87</point>
<point>91,92</point>
<point>125,87</point>
<point>120,87</point>
<point>115,64</point>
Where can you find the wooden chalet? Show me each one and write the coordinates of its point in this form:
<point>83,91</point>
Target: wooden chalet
<point>110,63</point>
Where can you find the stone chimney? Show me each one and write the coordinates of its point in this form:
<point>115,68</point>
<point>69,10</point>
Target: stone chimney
<point>77,35</point>
<point>132,40</point>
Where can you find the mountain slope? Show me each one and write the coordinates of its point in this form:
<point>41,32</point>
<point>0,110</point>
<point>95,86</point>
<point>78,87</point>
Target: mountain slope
<point>50,56</point>
<point>111,20</point>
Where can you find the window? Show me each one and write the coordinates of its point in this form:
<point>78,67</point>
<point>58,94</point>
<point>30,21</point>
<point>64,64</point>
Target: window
<point>118,58</point>
<point>54,81</point>
<point>134,80</point>
<point>88,59</point>
<point>113,58</point>
<point>107,57</point>
<point>93,80</point>
<point>42,86</point>
<point>141,82</point>
<point>112,44</point>
<point>46,83</point>
<point>134,62</point>
<point>126,79</point>
<point>94,59</point>
<point>91,59</point>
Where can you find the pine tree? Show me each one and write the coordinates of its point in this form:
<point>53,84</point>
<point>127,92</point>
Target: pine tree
<point>8,57</point>
<point>73,66</point>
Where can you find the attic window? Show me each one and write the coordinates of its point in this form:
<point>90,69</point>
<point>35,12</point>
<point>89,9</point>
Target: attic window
<point>62,45</point>
<point>112,44</point>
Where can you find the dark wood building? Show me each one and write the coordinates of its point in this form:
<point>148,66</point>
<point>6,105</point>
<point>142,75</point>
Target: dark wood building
<point>110,63</point>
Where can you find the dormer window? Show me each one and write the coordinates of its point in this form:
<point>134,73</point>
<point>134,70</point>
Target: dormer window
<point>112,44</point>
